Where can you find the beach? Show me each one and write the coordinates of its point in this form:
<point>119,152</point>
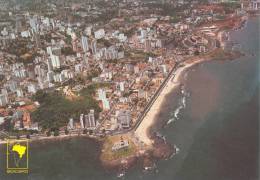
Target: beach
<point>206,151</point>
<point>142,132</point>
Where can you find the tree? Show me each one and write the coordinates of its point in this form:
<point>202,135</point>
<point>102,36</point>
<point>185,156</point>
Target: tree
<point>40,96</point>
<point>196,53</point>
<point>66,131</point>
<point>48,133</point>
<point>56,132</point>
<point>90,132</point>
<point>84,131</point>
<point>55,109</point>
<point>67,51</point>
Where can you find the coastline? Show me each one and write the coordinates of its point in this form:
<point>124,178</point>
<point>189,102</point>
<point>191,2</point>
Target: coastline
<point>143,130</point>
<point>142,133</point>
<point>148,146</point>
<point>54,138</point>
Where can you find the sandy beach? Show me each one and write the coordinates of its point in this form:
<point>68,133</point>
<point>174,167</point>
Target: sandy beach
<point>142,132</point>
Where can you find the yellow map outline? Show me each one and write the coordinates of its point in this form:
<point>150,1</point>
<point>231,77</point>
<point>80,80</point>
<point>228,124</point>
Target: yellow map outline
<point>13,141</point>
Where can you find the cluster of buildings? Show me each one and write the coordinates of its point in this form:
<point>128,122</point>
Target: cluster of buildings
<point>132,53</point>
<point>86,121</point>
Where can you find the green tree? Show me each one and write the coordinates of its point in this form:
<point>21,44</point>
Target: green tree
<point>56,132</point>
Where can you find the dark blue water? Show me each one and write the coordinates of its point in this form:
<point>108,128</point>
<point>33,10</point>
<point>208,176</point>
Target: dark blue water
<point>217,131</point>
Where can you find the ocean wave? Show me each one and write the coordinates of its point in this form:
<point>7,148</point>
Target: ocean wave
<point>184,101</point>
<point>177,150</point>
<point>171,120</point>
<point>182,105</point>
<point>177,112</point>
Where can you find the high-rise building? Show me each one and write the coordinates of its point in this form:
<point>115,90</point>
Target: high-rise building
<point>3,99</point>
<point>49,50</point>
<point>124,118</point>
<point>13,86</point>
<point>34,23</point>
<point>103,98</point>
<point>18,24</point>
<point>40,72</point>
<point>4,91</point>
<point>106,104</point>
<point>19,93</point>
<point>90,122</point>
<point>55,61</point>
<point>255,4</point>
<point>147,45</point>
<point>50,76</point>
<point>71,124</point>
<point>81,119</point>
<point>84,42</point>
<point>49,65</point>
<point>36,38</point>
<point>122,86</point>
<point>101,94</point>
<point>94,46</point>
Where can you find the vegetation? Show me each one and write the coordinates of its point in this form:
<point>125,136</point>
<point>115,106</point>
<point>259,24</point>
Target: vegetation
<point>138,55</point>
<point>93,73</point>
<point>196,53</point>
<point>2,77</point>
<point>67,51</point>
<point>175,19</point>
<point>55,109</point>
<point>105,42</point>
<point>48,133</point>
<point>56,132</point>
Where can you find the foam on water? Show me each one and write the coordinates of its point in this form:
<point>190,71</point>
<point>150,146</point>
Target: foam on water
<point>182,105</point>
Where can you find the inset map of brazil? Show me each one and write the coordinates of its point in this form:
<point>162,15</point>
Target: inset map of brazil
<point>19,149</point>
<point>17,156</point>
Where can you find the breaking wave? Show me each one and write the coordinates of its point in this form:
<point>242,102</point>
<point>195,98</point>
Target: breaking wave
<point>182,105</point>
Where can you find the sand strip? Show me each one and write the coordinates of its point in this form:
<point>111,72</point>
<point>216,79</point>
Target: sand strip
<point>142,131</point>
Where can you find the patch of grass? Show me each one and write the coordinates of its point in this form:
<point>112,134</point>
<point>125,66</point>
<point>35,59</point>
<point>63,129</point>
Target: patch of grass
<point>109,155</point>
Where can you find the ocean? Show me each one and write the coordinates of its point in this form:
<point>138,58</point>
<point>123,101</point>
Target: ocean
<point>213,118</point>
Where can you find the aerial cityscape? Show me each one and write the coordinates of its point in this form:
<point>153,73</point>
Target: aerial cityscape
<point>132,89</point>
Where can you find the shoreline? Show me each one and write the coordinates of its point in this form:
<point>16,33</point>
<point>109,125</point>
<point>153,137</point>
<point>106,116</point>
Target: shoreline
<point>54,138</point>
<point>151,147</point>
<point>143,130</point>
<point>148,146</point>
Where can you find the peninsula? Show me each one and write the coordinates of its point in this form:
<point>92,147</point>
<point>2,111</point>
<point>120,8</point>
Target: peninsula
<point>103,69</point>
